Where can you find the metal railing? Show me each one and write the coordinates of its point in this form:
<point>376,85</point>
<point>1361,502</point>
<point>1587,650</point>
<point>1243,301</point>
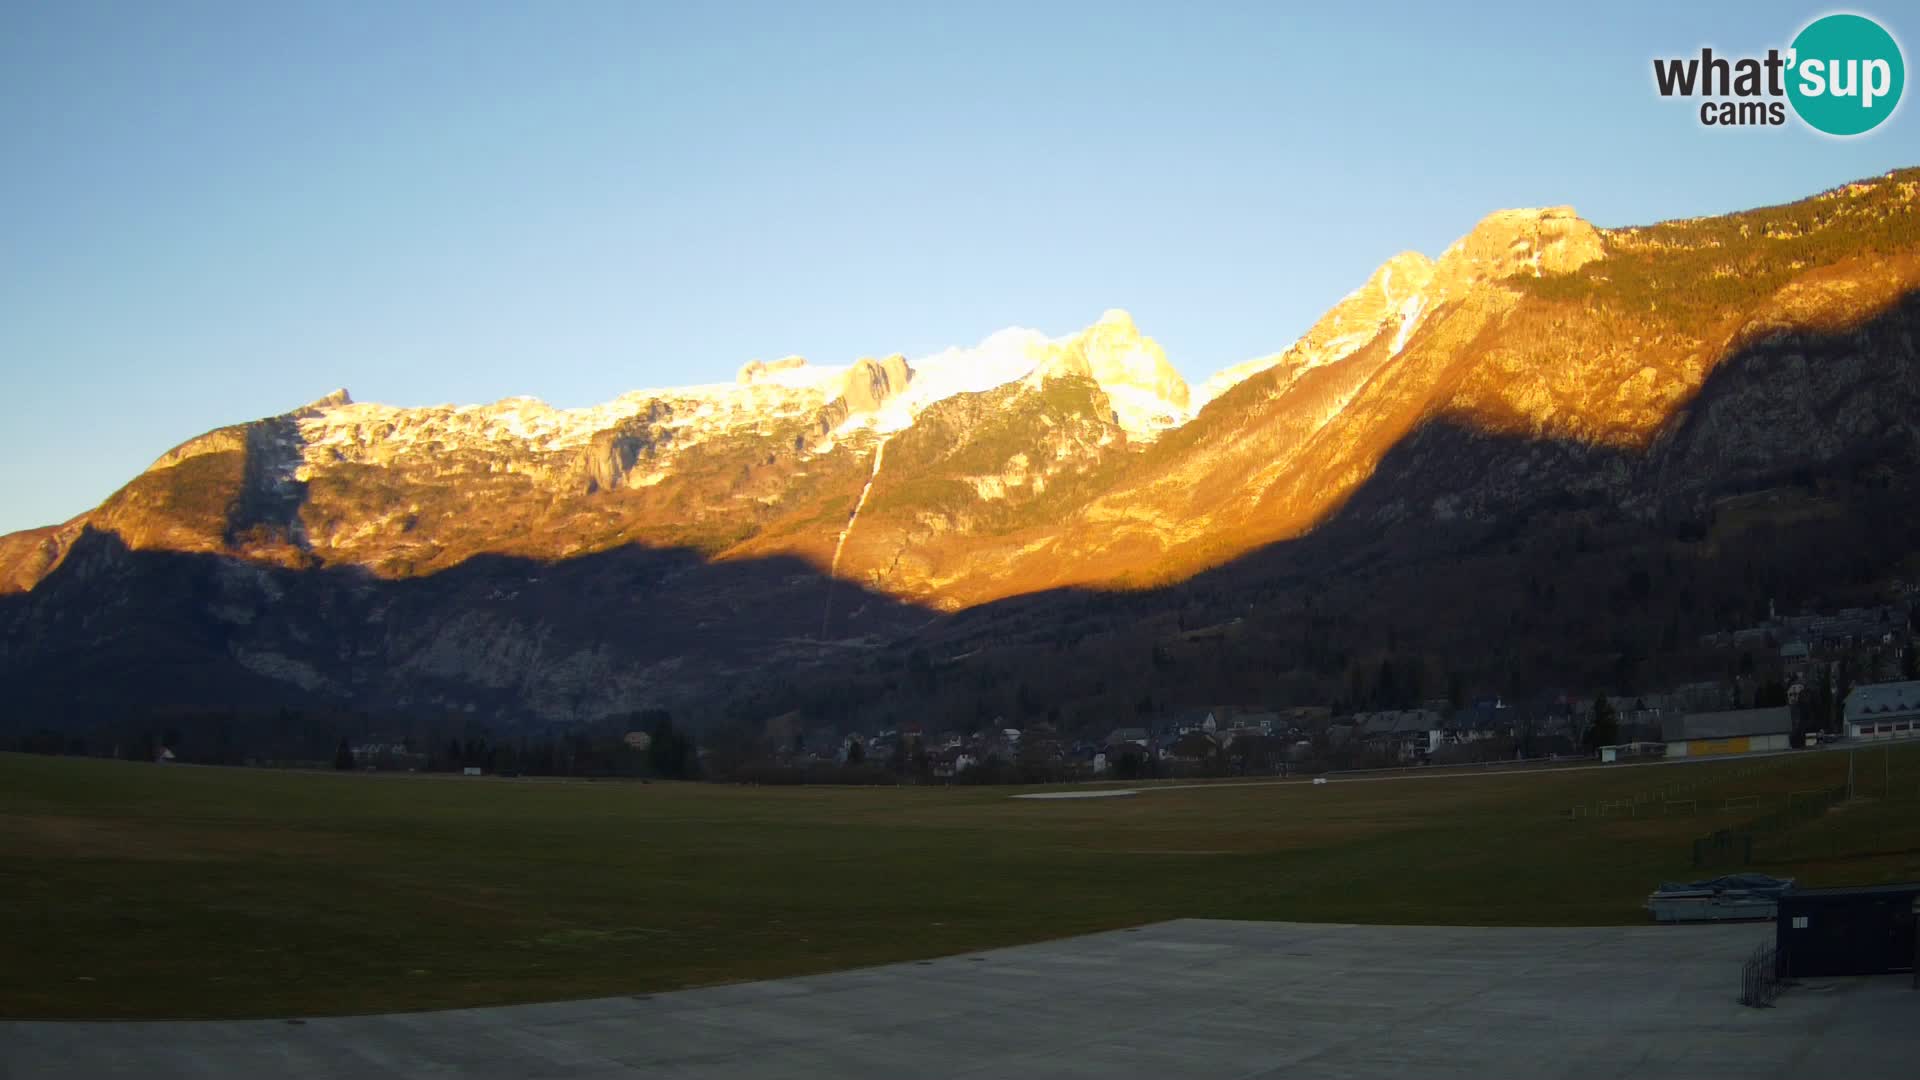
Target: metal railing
<point>1735,844</point>
<point>1723,846</point>
<point>1760,978</point>
<point>1686,796</point>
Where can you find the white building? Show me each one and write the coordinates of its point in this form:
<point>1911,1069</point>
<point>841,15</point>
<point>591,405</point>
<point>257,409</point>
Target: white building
<point>1884,711</point>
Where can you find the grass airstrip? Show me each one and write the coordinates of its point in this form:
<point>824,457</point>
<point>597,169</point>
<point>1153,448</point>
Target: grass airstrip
<point>133,890</point>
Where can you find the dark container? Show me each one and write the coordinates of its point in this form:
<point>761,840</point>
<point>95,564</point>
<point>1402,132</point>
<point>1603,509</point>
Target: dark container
<point>1867,930</point>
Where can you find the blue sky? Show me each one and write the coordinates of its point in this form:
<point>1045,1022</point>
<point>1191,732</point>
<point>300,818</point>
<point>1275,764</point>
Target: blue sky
<point>215,212</point>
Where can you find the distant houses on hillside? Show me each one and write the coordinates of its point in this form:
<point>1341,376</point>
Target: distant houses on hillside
<point>1848,626</point>
<point>1791,676</point>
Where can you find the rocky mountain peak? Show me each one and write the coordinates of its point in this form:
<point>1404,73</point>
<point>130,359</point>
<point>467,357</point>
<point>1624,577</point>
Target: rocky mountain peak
<point>754,371</point>
<point>1147,393</point>
<point>334,400</point>
<point>1395,281</point>
<point>1550,240</point>
<point>872,383</point>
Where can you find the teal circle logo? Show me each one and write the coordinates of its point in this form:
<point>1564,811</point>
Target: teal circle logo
<point>1846,74</point>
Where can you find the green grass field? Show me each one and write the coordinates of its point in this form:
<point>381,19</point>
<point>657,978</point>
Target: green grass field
<point>131,890</point>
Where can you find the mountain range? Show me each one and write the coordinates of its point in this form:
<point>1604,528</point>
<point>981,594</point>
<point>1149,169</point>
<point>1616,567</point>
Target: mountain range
<point>1721,407</point>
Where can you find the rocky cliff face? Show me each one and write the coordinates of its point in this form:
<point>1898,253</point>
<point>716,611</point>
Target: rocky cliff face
<point>1649,371</point>
<point>613,453</point>
<point>1146,394</point>
<point>1390,302</point>
<point>872,383</point>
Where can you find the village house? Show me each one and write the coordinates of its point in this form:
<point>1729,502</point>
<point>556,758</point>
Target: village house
<point>1795,658</point>
<point>1192,718</point>
<point>1233,735</point>
<point>1303,717</point>
<point>1883,711</point>
<point>1194,747</point>
<point>1266,721</point>
<point>1818,631</point>
<point>1637,718</point>
<point>1478,722</point>
<point>950,762</point>
<point>1218,718</point>
<point>1403,734</point>
<point>387,755</point>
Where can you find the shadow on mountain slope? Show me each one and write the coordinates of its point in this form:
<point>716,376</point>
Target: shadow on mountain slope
<point>1773,413</point>
<point>271,492</point>
<point>1479,560</point>
<point>502,637</point>
<point>1493,562</point>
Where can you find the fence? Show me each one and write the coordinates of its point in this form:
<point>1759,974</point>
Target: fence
<point>1736,844</point>
<point>1873,823</point>
<point>1683,796</point>
<point>1723,846</point>
<point>1667,808</point>
<point>1760,978</point>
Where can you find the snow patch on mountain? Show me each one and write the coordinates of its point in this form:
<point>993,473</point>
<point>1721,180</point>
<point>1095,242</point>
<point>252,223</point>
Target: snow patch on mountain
<point>1147,394</point>
<point>880,396</point>
<point>1410,311</point>
<point>1394,297</point>
<point>373,433</point>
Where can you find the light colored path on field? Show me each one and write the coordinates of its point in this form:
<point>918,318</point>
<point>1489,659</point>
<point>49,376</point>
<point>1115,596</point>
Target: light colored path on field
<point>1192,998</point>
<point>1095,793</point>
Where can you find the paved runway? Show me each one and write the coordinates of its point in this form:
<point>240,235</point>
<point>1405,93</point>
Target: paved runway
<point>1183,999</point>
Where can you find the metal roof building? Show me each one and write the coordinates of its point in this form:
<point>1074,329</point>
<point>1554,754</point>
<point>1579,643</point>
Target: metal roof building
<point>1884,711</point>
<point>1735,731</point>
